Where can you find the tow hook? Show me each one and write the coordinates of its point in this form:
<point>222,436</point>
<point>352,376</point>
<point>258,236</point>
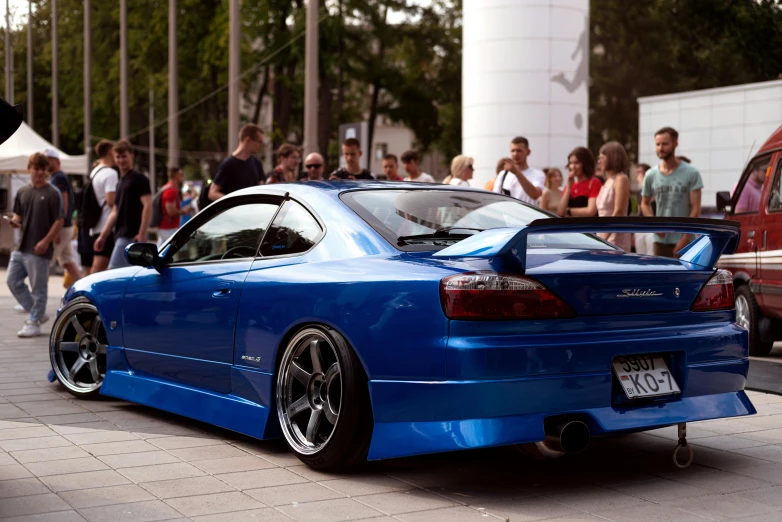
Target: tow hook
<point>682,445</point>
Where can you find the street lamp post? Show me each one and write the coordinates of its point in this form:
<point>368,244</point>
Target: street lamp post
<point>55,85</point>
<point>30,118</point>
<point>88,82</point>
<point>9,57</point>
<point>311,79</point>
<point>124,126</point>
<point>173,88</point>
<point>234,39</point>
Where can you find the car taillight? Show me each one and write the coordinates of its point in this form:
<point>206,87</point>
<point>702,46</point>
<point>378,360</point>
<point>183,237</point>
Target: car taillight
<point>716,294</point>
<point>491,296</point>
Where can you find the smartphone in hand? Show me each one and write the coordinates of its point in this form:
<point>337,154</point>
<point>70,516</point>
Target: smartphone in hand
<point>11,222</point>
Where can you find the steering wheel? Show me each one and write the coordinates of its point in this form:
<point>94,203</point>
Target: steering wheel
<point>233,251</point>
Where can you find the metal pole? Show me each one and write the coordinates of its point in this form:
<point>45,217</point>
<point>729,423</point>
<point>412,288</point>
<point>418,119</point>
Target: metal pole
<point>88,82</point>
<point>173,88</point>
<point>124,126</point>
<point>55,85</point>
<point>152,172</point>
<point>311,79</point>
<point>233,76</point>
<point>30,117</point>
<point>9,57</point>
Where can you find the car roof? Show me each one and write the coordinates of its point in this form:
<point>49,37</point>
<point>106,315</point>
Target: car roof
<point>773,142</point>
<point>337,187</point>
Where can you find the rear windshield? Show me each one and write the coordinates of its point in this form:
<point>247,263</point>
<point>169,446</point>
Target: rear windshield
<point>404,213</point>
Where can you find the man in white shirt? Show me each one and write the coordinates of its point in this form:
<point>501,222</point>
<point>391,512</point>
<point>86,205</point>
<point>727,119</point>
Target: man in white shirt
<point>104,182</point>
<point>410,161</point>
<point>520,181</point>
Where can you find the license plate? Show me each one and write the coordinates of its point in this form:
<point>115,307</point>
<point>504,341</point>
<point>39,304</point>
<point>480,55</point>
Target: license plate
<point>644,376</point>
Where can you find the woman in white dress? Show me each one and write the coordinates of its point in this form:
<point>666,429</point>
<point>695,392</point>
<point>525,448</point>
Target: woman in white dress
<point>461,171</point>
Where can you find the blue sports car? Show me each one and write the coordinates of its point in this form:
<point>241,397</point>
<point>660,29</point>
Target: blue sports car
<point>377,320</point>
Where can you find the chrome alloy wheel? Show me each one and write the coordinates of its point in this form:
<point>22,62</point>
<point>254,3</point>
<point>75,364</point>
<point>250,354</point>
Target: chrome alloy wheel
<point>77,348</point>
<point>309,391</point>
<point>742,311</point>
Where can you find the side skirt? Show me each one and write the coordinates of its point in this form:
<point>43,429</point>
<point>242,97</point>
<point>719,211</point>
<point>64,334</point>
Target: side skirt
<point>229,411</point>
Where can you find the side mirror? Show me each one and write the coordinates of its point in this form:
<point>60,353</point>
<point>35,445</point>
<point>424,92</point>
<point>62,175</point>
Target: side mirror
<point>723,201</point>
<point>142,254</point>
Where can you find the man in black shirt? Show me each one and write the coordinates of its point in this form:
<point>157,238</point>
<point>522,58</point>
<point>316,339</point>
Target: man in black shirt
<point>351,151</point>
<point>242,169</point>
<point>132,213</point>
<point>38,211</point>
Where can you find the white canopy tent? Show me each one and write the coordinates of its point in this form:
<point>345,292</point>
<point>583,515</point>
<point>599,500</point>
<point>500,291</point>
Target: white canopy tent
<point>15,152</point>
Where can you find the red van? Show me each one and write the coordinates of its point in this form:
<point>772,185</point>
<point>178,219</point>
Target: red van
<point>757,264</point>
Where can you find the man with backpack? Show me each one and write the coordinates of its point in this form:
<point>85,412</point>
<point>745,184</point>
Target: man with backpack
<point>97,202</point>
<point>130,217</point>
<point>166,204</point>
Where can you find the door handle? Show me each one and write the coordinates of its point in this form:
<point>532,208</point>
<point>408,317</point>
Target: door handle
<point>765,239</point>
<point>223,290</point>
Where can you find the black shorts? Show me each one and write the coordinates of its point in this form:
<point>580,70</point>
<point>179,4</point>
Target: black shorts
<point>107,248</point>
<point>86,259</point>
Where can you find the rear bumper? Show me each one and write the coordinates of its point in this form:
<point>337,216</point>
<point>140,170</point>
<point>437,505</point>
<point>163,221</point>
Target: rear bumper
<point>399,439</point>
<point>427,417</point>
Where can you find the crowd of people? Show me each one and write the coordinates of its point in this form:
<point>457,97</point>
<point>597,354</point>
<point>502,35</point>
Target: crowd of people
<point>602,187</point>
<point>117,206</point>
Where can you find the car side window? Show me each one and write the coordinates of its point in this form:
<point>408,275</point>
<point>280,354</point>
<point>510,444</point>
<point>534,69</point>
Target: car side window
<point>294,231</point>
<point>750,196</point>
<point>774,198</point>
<point>232,234</point>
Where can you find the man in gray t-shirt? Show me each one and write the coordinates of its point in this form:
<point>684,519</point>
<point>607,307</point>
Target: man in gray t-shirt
<point>38,211</point>
<point>675,186</point>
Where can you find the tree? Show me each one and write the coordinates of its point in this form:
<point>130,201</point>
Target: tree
<point>649,47</point>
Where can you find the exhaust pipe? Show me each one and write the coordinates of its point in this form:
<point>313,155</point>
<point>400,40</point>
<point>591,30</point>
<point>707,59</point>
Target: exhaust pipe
<point>567,436</point>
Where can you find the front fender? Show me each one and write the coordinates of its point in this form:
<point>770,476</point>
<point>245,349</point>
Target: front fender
<point>106,290</point>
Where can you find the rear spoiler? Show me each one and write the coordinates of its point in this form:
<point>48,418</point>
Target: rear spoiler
<point>718,236</point>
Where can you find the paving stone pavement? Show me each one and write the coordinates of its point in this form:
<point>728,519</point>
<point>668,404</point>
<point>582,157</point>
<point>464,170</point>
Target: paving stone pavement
<point>64,459</point>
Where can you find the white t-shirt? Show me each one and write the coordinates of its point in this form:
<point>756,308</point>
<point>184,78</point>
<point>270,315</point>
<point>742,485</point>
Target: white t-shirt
<point>458,182</point>
<point>423,178</point>
<point>513,185</point>
<point>104,181</point>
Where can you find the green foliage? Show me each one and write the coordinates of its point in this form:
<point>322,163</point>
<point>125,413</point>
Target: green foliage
<point>416,66</point>
<point>649,47</point>
<point>393,60</point>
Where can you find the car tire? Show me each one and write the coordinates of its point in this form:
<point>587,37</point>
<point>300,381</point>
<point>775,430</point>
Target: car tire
<point>322,400</point>
<point>77,348</point>
<point>748,315</point>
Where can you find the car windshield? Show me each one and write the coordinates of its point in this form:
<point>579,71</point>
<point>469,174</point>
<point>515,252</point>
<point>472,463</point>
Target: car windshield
<point>405,214</point>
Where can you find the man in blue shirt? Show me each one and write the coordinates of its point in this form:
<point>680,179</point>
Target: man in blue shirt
<point>63,246</point>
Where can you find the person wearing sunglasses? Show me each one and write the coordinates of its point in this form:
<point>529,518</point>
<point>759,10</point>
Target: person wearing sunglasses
<point>314,165</point>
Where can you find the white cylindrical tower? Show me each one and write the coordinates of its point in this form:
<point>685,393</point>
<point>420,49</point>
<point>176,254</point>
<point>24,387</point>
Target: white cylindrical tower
<point>525,72</point>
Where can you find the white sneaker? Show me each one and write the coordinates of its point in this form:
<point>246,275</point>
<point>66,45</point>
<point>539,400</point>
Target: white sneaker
<point>30,329</point>
<point>20,309</point>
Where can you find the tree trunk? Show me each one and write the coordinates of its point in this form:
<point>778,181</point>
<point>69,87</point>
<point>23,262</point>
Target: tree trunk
<point>282,106</point>
<point>377,84</point>
<point>261,93</point>
<point>341,65</point>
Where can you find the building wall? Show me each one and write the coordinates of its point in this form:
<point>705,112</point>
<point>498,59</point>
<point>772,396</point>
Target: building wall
<point>525,71</point>
<point>719,129</point>
<point>390,139</point>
